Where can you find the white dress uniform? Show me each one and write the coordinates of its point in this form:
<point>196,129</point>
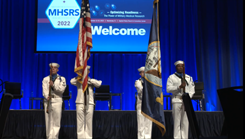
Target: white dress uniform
<point>85,115</point>
<point>181,124</point>
<point>52,120</point>
<point>144,124</point>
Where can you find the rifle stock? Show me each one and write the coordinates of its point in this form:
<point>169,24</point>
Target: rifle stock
<point>49,94</point>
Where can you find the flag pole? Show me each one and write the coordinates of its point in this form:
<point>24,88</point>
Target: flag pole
<point>158,32</point>
<point>157,1</point>
<point>158,29</point>
<point>158,35</point>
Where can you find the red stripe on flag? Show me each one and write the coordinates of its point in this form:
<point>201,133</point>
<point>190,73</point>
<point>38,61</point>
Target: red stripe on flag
<point>88,19</point>
<point>85,82</point>
<point>89,39</point>
<point>77,57</point>
<point>88,29</point>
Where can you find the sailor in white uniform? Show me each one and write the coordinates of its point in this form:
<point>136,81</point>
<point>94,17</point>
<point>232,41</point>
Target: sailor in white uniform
<point>58,85</point>
<point>84,111</point>
<point>144,124</point>
<point>175,86</point>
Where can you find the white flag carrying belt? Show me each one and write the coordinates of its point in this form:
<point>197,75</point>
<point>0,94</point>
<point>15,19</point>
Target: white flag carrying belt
<point>87,94</point>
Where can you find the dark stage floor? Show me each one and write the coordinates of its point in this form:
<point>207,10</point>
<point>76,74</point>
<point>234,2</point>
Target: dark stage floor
<point>30,124</point>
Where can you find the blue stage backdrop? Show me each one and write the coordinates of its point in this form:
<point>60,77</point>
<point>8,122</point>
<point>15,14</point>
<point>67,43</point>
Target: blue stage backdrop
<point>206,34</point>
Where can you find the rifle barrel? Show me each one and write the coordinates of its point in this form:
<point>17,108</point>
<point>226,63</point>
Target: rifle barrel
<point>183,79</point>
<point>49,94</point>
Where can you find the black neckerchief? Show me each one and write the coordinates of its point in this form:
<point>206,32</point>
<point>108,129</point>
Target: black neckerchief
<point>181,78</point>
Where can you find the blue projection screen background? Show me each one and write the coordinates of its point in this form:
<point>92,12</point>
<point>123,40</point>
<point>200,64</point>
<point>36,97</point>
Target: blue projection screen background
<point>117,26</point>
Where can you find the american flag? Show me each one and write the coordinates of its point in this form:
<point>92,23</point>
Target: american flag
<point>84,44</point>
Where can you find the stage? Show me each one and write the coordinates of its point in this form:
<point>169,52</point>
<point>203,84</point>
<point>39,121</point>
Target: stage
<point>30,124</point>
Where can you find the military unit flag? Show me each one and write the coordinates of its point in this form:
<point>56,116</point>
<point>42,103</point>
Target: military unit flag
<point>152,99</point>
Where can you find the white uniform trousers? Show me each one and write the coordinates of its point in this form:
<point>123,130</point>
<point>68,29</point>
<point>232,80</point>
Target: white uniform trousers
<point>84,121</point>
<point>53,119</point>
<point>144,126</point>
<point>181,123</point>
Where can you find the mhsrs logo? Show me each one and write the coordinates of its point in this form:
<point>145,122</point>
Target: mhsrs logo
<point>116,31</point>
<point>63,14</point>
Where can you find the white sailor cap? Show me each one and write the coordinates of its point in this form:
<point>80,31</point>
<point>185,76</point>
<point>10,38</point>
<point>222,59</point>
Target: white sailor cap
<point>178,62</point>
<point>141,69</point>
<point>54,65</point>
<point>88,67</point>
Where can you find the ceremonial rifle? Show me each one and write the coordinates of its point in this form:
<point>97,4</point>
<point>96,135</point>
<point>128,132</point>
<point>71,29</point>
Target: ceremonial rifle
<point>49,94</point>
<point>183,79</point>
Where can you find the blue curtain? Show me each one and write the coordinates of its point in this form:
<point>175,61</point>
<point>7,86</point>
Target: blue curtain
<point>219,51</point>
<point>206,34</point>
